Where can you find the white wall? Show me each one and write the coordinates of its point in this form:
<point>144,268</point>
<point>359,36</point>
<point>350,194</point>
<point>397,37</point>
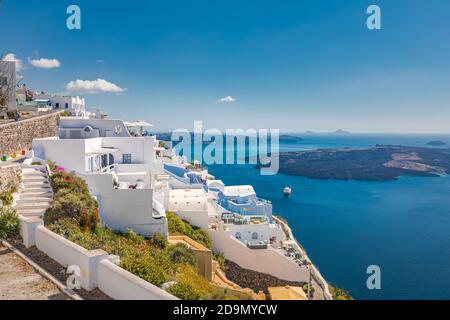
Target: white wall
<point>123,285</point>
<point>141,148</point>
<point>95,266</point>
<point>68,153</point>
<point>247,230</point>
<point>261,260</point>
<point>196,218</point>
<point>123,209</point>
<point>105,126</point>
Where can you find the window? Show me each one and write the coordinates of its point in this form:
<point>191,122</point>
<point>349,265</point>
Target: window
<point>238,235</point>
<point>66,106</point>
<point>126,158</point>
<point>57,105</point>
<point>3,81</point>
<point>255,236</point>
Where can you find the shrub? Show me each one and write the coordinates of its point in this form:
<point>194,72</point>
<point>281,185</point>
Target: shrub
<point>77,206</point>
<point>177,225</point>
<point>159,240</point>
<point>9,223</point>
<point>144,266</point>
<point>51,164</point>
<point>220,258</point>
<point>10,114</point>
<point>184,291</point>
<point>182,255</point>
<point>339,293</point>
<point>6,198</point>
<point>71,200</point>
<point>67,180</point>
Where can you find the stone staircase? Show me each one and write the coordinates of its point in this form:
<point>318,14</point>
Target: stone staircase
<point>36,193</point>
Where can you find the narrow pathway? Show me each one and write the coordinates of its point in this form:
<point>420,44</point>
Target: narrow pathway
<point>36,194</point>
<point>19,281</point>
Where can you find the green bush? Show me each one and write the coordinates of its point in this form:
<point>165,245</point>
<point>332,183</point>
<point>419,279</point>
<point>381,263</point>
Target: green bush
<point>77,206</point>
<point>181,254</point>
<point>10,114</point>
<point>6,198</point>
<point>220,258</point>
<point>184,291</point>
<point>145,267</point>
<point>177,225</point>
<point>159,240</point>
<point>9,223</point>
<point>72,200</point>
<point>68,180</point>
<point>339,293</point>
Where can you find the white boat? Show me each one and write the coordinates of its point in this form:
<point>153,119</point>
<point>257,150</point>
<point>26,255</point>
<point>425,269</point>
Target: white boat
<point>287,191</point>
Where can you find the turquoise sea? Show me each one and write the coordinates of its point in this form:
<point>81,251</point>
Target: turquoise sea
<point>402,226</point>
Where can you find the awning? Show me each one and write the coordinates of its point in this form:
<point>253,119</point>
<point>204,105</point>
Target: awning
<point>102,151</point>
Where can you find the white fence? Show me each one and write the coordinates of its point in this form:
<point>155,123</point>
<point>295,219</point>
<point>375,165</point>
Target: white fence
<point>98,269</point>
<point>123,285</point>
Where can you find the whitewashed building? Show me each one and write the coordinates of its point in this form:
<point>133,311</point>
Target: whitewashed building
<point>122,171</point>
<point>73,104</point>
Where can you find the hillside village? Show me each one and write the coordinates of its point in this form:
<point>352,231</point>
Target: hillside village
<point>138,220</point>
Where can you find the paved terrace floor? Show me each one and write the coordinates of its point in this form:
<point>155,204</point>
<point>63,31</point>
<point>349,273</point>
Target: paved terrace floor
<point>19,281</point>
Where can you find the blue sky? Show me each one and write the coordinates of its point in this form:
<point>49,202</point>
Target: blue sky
<point>293,65</point>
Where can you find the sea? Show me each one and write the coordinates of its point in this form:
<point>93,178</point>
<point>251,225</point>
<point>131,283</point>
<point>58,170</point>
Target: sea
<point>401,226</point>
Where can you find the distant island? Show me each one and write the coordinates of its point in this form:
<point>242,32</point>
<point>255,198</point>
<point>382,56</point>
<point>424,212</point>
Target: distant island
<point>290,139</point>
<point>340,131</point>
<point>382,162</point>
<point>436,143</point>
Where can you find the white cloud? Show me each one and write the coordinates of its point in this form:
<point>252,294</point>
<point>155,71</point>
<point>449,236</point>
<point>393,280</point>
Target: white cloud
<point>93,86</point>
<point>45,63</point>
<point>227,99</point>
<point>12,57</point>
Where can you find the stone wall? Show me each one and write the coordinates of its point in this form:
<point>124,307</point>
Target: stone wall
<point>10,176</point>
<point>16,136</point>
<point>255,280</point>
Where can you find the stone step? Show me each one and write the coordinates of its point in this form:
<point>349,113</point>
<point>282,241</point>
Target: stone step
<point>33,173</point>
<point>45,193</point>
<point>34,179</point>
<point>33,205</point>
<point>35,199</point>
<point>37,189</point>
<point>36,169</point>
<point>31,212</point>
<point>32,184</point>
